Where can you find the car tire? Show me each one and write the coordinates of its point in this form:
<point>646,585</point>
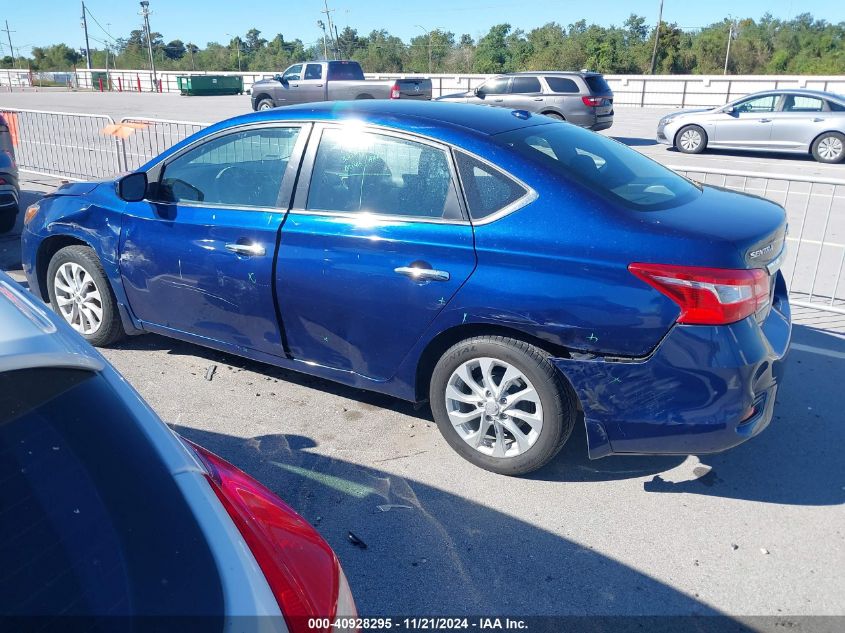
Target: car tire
<point>554,115</point>
<point>691,139</point>
<point>549,404</point>
<point>829,148</point>
<point>264,104</point>
<point>8,218</point>
<point>78,289</point>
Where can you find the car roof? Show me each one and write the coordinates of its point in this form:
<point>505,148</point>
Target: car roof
<point>798,91</point>
<point>401,115</point>
<point>34,336</point>
<point>580,73</point>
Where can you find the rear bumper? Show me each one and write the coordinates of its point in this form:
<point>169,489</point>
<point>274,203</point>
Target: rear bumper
<point>704,389</point>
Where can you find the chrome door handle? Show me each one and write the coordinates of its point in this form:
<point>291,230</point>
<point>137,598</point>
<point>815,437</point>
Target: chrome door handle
<point>422,274</point>
<point>764,121</point>
<point>319,85</point>
<point>538,98</point>
<point>247,249</point>
<point>817,120</point>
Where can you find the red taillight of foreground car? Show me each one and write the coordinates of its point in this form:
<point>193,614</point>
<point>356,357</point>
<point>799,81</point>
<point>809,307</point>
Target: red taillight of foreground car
<point>300,567</point>
<point>395,92</point>
<point>593,102</point>
<point>708,296</point>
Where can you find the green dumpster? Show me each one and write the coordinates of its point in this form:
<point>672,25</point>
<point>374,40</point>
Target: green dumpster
<point>99,80</point>
<point>210,84</point>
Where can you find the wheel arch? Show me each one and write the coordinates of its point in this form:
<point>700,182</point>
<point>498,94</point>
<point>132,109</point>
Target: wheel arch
<point>49,247</point>
<point>449,337</point>
<point>548,111</point>
<point>686,125</point>
<point>260,97</point>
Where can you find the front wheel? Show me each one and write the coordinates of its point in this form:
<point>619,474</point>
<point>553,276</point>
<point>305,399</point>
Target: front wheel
<point>501,404</point>
<point>691,139</point>
<point>265,104</point>
<point>80,292</point>
<point>829,148</point>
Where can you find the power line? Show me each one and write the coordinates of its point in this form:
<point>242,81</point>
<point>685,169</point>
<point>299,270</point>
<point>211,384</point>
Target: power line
<point>91,15</point>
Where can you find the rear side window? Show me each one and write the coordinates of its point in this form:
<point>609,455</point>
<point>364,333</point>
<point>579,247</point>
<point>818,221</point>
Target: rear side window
<point>562,84</point>
<point>597,84</point>
<point>801,103</point>
<point>314,71</point>
<point>92,522</point>
<point>344,71</point>
<point>376,173</point>
<point>487,190</point>
<point>525,85</point>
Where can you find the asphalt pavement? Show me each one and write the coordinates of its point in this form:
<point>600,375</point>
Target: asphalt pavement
<point>755,531</point>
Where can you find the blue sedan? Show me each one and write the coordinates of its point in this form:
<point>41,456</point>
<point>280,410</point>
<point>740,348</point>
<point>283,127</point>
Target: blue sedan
<point>508,268</point>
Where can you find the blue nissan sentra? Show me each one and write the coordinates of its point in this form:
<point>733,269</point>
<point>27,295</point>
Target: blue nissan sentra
<point>508,268</point>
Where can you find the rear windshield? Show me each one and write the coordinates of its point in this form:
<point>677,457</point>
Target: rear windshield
<point>91,521</point>
<point>602,165</point>
<point>343,71</point>
<point>597,84</point>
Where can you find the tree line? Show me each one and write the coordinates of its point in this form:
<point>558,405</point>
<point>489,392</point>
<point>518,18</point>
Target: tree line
<point>801,45</point>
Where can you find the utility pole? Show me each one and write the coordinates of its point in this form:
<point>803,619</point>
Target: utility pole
<point>656,36</point>
<point>11,48</point>
<point>428,35</point>
<point>731,27</point>
<point>145,11</point>
<point>322,26</point>
<point>328,13</point>
<point>87,46</point>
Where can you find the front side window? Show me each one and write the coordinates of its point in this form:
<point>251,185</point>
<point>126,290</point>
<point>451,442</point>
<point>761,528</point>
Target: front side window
<point>800,103</point>
<point>487,189</point>
<point>495,86</point>
<point>525,85</point>
<point>562,84</point>
<point>765,103</point>
<point>294,73</point>
<point>602,165</point>
<point>240,169</point>
<point>314,71</point>
<point>359,171</point>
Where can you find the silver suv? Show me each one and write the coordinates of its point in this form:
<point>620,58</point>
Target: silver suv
<point>582,98</point>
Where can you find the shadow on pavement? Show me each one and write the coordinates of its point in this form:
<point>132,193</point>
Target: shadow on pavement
<point>635,141</point>
<point>442,554</point>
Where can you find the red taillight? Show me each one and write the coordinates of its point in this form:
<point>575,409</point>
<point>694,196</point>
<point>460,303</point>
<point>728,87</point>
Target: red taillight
<point>300,567</point>
<point>593,102</point>
<point>395,92</point>
<point>708,296</point>
<point>2,181</point>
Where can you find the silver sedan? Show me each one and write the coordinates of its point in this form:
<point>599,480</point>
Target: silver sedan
<point>796,121</point>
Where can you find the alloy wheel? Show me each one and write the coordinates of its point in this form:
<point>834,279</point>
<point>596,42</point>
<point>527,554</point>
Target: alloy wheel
<point>690,140</point>
<point>830,148</point>
<point>494,407</point>
<point>78,299</point>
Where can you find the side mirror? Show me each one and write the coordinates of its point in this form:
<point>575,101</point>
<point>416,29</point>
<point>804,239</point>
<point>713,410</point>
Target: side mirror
<point>132,187</point>
<point>729,110</point>
<point>479,92</point>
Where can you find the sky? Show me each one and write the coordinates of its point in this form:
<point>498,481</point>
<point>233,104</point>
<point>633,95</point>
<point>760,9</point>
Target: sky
<point>43,22</point>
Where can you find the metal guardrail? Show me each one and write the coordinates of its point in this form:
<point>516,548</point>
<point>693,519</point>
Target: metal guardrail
<point>63,144</point>
<point>815,209</point>
<point>143,139</point>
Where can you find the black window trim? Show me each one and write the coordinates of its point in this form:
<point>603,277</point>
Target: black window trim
<point>285,196</point>
<point>306,171</point>
<point>530,194</point>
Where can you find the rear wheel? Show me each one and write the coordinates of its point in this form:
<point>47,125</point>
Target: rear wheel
<point>265,104</point>
<point>80,292</point>
<point>691,139</point>
<point>829,148</point>
<point>501,404</point>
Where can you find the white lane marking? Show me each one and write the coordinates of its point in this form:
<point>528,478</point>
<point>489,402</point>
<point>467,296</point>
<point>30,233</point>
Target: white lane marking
<point>817,350</point>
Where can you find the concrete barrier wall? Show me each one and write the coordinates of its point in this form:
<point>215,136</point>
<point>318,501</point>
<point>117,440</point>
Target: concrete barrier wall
<point>668,91</point>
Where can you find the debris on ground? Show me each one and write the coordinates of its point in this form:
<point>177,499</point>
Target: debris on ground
<point>356,541</point>
<point>734,546</point>
<point>387,507</point>
<point>763,550</point>
<point>209,373</point>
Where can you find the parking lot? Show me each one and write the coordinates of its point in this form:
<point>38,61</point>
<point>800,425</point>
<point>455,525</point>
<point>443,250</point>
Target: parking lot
<point>756,531</point>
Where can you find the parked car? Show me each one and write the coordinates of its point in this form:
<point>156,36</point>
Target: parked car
<point>583,98</point>
<point>795,121</point>
<point>112,522</point>
<point>309,82</point>
<point>509,268</point>
<point>9,184</point>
